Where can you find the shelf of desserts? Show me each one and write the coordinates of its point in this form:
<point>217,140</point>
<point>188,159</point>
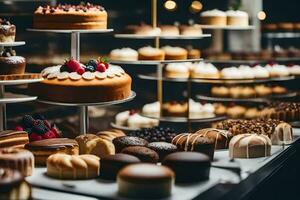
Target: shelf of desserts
<point>71,30</point>
<point>182,32</point>
<point>12,44</point>
<point>281,35</point>
<point>286,111</point>
<point>154,56</point>
<point>257,93</point>
<point>202,72</point>
<point>281,30</point>
<point>229,20</point>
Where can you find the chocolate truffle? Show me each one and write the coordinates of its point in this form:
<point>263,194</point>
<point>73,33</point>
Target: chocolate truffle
<point>188,166</point>
<point>127,141</point>
<point>112,164</point>
<point>145,181</point>
<point>143,153</point>
<point>162,148</point>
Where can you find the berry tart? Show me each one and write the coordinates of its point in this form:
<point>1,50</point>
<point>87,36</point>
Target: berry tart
<point>10,64</point>
<point>38,128</point>
<point>73,82</point>
<point>7,31</point>
<point>83,16</point>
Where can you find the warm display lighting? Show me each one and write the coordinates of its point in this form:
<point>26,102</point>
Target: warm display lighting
<point>261,15</point>
<point>170,5</point>
<point>196,6</point>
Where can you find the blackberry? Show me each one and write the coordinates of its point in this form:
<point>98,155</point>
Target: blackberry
<point>90,68</point>
<point>39,116</point>
<point>28,130</point>
<point>39,127</point>
<point>27,121</point>
<point>64,68</point>
<point>93,63</point>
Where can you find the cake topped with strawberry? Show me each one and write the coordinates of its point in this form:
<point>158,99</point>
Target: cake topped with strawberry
<point>38,128</point>
<point>74,82</point>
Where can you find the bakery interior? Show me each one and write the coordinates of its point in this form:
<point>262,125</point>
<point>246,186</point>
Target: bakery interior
<point>157,99</point>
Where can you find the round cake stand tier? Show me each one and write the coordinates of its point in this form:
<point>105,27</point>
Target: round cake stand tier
<point>245,100</point>
<point>16,98</point>
<point>71,30</point>
<point>154,77</point>
<point>185,119</point>
<point>20,81</point>
<point>123,128</point>
<point>152,62</point>
<point>234,28</point>
<point>12,44</point>
<point>163,37</point>
<point>83,111</point>
<point>250,62</point>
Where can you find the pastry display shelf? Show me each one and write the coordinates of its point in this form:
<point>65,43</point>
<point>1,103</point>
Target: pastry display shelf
<point>152,62</point>
<point>71,30</point>
<point>282,35</point>
<point>216,81</point>
<point>123,128</point>
<point>185,119</point>
<point>83,111</point>
<point>235,62</point>
<point>16,98</point>
<point>12,44</point>
<point>245,100</point>
<point>233,28</point>
<point>20,81</point>
<point>162,37</point>
<point>231,178</point>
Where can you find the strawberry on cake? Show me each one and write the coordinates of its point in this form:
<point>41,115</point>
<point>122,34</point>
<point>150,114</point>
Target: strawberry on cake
<point>73,82</point>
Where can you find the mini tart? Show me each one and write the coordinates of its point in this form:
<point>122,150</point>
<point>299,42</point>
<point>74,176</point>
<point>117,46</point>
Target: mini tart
<point>237,18</point>
<point>175,53</point>
<point>150,53</point>
<point>113,84</point>
<point>70,17</point>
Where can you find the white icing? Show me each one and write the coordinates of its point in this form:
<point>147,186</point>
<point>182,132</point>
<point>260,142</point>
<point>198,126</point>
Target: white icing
<point>246,71</point>
<point>260,72</point>
<point>15,59</point>
<point>88,75</point>
<point>152,109</point>
<point>205,68</point>
<point>236,13</point>
<point>125,53</point>
<point>294,70</point>
<point>231,73</point>
<point>279,70</point>
<point>150,50</point>
<point>170,49</point>
<point>100,75</point>
<point>215,12</point>
<point>63,75</point>
<point>121,118</point>
<point>177,67</point>
<point>74,76</point>
<point>138,121</point>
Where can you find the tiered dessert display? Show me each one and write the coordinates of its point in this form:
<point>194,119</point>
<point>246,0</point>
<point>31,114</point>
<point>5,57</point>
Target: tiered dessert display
<point>72,83</point>
<point>12,70</point>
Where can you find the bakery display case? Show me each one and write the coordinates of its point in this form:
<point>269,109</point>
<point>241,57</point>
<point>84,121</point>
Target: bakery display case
<point>148,100</point>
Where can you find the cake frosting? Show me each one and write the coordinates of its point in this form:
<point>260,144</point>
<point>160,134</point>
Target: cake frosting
<point>294,69</point>
<point>204,70</point>
<point>277,70</point>
<point>236,13</point>
<point>246,71</point>
<point>151,109</point>
<point>231,73</point>
<point>127,54</point>
<point>178,67</point>
<point>150,50</point>
<point>214,12</point>
<point>260,72</point>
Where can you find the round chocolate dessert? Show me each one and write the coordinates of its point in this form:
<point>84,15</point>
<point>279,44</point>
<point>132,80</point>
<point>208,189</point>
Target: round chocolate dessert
<point>145,181</point>
<point>156,134</point>
<point>188,166</point>
<point>127,141</point>
<point>112,164</point>
<point>143,153</point>
<point>13,186</point>
<point>162,148</point>
<point>10,63</point>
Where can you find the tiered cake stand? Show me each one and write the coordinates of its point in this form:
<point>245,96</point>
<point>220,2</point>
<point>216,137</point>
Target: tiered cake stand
<point>6,98</point>
<point>75,53</point>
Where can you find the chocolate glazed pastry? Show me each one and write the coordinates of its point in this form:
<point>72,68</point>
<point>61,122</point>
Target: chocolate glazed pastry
<point>143,153</point>
<point>112,164</point>
<point>162,148</point>
<point>127,141</point>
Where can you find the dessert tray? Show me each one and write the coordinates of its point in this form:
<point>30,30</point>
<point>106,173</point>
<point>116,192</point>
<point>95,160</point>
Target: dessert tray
<point>253,61</point>
<point>281,35</point>
<point>12,44</point>
<point>254,99</point>
<point>20,81</point>
<point>220,80</point>
<point>250,27</point>
<point>71,30</point>
<point>179,37</point>
<point>152,62</point>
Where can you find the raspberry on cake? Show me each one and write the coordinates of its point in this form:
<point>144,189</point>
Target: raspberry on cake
<point>87,16</point>
<point>7,31</point>
<point>73,82</point>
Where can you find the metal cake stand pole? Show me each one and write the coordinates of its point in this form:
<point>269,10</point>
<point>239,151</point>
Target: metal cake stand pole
<point>83,110</point>
<point>2,110</point>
